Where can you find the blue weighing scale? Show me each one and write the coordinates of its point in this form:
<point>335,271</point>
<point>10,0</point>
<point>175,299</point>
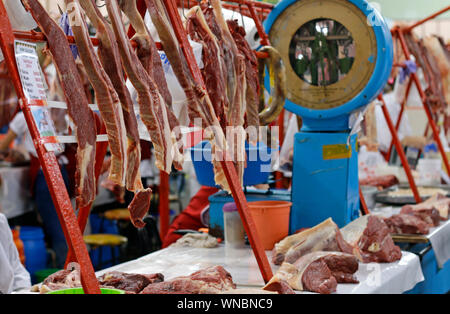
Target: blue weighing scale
<point>338,56</point>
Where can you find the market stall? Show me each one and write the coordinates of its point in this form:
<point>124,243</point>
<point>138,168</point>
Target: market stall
<point>212,85</point>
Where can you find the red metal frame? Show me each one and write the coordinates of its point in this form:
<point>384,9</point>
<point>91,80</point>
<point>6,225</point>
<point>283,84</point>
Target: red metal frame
<point>49,166</point>
<point>399,33</point>
<point>227,165</point>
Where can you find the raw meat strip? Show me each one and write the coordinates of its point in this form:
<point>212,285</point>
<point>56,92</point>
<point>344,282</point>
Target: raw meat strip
<point>237,108</point>
<point>434,47</point>
<point>77,103</point>
<point>105,95</point>
<point>371,240</point>
<point>429,215</point>
<point>147,51</point>
<point>213,65</point>
<point>251,74</point>
<point>133,283</point>
<point>108,52</point>
<point>152,107</point>
<point>200,106</point>
<point>318,272</point>
<point>323,237</point>
<point>406,224</point>
<point>211,280</point>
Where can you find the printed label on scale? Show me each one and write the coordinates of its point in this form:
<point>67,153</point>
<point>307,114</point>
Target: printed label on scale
<point>34,87</point>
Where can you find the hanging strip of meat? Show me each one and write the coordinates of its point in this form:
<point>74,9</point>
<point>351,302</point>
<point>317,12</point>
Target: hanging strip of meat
<point>153,110</point>
<point>251,74</point>
<point>147,51</point>
<point>108,52</point>
<point>200,109</point>
<point>77,103</point>
<point>237,84</point>
<point>105,95</point>
<point>213,63</point>
<point>112,113</point>
<point>317,272</point>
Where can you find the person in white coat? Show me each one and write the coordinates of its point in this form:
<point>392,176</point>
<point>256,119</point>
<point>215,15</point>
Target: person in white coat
<point>13,275</point>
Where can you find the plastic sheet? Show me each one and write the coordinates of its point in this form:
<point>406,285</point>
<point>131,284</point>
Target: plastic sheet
<point>395,277</point>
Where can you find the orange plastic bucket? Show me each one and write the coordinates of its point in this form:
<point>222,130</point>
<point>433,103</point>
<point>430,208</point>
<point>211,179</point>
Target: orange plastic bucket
<point>271,220</point>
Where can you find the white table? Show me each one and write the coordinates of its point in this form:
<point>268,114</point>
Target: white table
<point>392,278</point>
<point>15,194</point>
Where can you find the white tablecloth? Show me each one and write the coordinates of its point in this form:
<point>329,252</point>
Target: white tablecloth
<point>14,191</point>
<point>389,278</point>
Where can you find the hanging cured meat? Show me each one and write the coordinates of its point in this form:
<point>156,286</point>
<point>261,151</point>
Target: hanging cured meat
<point>77,103</point>
<point>153,110</point>
<point>105,94</point>
<point>108,52</point>
<point>200,109</point>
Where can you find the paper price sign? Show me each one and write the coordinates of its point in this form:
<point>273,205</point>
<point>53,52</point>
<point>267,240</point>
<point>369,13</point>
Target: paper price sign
<point>30,71</point>
<point>44,123</point>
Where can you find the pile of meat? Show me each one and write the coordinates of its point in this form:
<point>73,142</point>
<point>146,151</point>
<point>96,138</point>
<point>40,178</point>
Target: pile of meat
<point>318,258</point>
<point>433,57</point>
<point>381,182</point>
<point>419,218</point>
<point>210,280</point>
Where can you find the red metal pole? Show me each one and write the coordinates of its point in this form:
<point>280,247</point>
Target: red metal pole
<point>50,166</point>
<point>228,166</point>
<point>164,211</point>
<point>423,97</point>
<point>363,203</point>
<point>409,28</point>
<point>400,151</point>
<point>400,116</point>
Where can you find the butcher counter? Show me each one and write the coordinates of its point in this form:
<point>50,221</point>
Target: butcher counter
<point>390,278</point>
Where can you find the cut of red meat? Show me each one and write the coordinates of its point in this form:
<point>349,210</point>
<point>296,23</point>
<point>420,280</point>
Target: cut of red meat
<point>371,240</point>
<point>406,224</point>
<point>108,52</point>
<point>380,181</point>
<point>213,65</point>
<point>134,283</point>
<point>206,281</point>
<point>77,103</point>
<point>318,272</point>
<point>153,110</point>
<point>326,236</point>
<point>251,73</point>
<point>139,207</point>
<point>431,211</point>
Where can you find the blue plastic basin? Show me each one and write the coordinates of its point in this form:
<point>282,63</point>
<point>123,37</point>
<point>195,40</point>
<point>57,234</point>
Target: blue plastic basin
<point>258,164</point>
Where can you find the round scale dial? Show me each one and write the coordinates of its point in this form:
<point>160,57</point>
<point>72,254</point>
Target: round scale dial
<point>329,50</point>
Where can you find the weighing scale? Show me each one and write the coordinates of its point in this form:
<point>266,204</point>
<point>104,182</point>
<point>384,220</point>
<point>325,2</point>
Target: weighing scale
<point>338,56</point>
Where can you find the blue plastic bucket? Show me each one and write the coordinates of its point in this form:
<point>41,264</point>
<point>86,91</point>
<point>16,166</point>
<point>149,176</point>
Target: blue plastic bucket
<point>34,248</point>
<point>258,163</point>
<point>102,225</point>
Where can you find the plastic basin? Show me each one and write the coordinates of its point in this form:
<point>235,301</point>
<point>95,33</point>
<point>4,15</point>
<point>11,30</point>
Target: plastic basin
<point>271,220</point>
<point>258,164</point>
<point>81,291</point>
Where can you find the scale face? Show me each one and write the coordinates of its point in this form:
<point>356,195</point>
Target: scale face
<point>336,60</point>
<point>338,57</point>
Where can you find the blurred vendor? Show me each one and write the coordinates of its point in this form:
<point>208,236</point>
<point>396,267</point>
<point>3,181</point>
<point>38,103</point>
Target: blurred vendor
<point>13,275</point>
<point>18,129</point>
<point>194,216</point>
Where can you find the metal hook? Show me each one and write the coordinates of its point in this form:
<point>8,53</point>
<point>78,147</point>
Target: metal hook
<point>100,6</point>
